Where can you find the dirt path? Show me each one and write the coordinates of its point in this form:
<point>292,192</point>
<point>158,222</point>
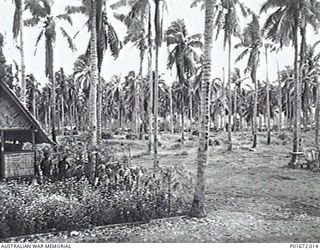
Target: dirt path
<point>251,197</point>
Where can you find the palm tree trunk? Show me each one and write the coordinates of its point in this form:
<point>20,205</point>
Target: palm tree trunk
<point>150,106</point>
<point>190,105</point>
<point>288,109</point>
<point>229,95</point>
<point>46,121</point>
<point>182,117</point>
<point>317,117</point>
<point>22,58</point>
<point>255,107</point>
<point>235,110</point>
<point>302,74</point>
<point>223,111</point>
<point>135,106</point>
<point>297,101</point>
<point>140,109</point>
<point>197,209</point>
<point>158,41</point>
<point>53,91</point>
<point>49,117</point>
<point>99,108</point>
<point>240,112</point>
<point>260,123</point>
<point>279,96</point>
<point>171,112</point>
<point>94,74</point>
<point>268,99</point>
<point>62,114</point>
<point>155,108</point>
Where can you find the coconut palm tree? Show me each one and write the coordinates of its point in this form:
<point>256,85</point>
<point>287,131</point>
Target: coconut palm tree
<point>184,56</point>
<point>252,42</point>
<point>238,80</point>
<point>286,23</point>
<point>228,21</point>
<point>312,70</point>
<point>197,209</point>
<point>105,37</point>
<point>136,21</point>
<point>42,16</point>
<point>266,51</point>
<point>140,14</point>
<point>17,30</point>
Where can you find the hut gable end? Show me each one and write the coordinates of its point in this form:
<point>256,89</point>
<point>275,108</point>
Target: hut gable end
<point>15,117</point>
<point>10,115</point>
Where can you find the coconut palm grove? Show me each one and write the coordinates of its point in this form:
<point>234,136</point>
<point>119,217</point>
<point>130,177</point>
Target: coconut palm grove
<point>160,121</point>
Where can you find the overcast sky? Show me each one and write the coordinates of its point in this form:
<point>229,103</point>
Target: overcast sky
<point>129,56</point>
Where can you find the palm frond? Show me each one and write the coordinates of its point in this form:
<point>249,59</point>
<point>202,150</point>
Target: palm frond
<point>119,4</point>
<point>38,40</point>
<point>76,10</point>
<point>271,4</point>
<point>69,39</point>
<point>16,18</point>
<point>65,17</point>
<point>35,8</point>
<point>114,43</point>
<point>33,21</point>
<point>242,55</point>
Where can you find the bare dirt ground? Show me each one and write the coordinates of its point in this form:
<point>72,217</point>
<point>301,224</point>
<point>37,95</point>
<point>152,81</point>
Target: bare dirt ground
<point>251,196</point>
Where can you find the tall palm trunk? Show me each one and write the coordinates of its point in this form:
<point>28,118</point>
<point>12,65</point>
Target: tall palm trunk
<point>240,111</point>
<point>49,45</point>
<point>136,106</point>
<point>297,99</point>
<point>171,111</point>
<point>150,106</point>
<point>93,73</point>
<point>99,107</point>
<point>158,41</point>
<point>190,105</point>
<point>155,108</point>
<point>255,107</point>
<point>223,111</point>
<point>229,95</point>
<point>279,96</point>
<point>288,110</point>
<point>22,58</point>
<point>140,109</point>
<point>62,114</point>
<point>317,116</point>
<point>235,105</point>
<point>182,116</point>
<point>197,209</point>
<point>302,74</point>
<point>268,99</point>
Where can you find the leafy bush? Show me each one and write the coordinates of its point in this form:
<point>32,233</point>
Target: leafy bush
<point>131,136</point>
<point>106,135</point>
<point>121,193</point>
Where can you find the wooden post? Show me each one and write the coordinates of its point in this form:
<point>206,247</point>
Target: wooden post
<point>34,151</point>
<point>2,162</point>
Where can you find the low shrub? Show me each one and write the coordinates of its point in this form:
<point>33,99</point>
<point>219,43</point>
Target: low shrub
<point>106,135</point>
<point>131,136</point>
<point>121,193</point>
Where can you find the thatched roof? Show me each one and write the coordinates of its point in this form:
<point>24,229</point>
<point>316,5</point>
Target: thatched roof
<point>16,120</point>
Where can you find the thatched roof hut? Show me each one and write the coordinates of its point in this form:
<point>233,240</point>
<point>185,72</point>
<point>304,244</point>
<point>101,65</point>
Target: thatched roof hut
<point>17,126</point>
